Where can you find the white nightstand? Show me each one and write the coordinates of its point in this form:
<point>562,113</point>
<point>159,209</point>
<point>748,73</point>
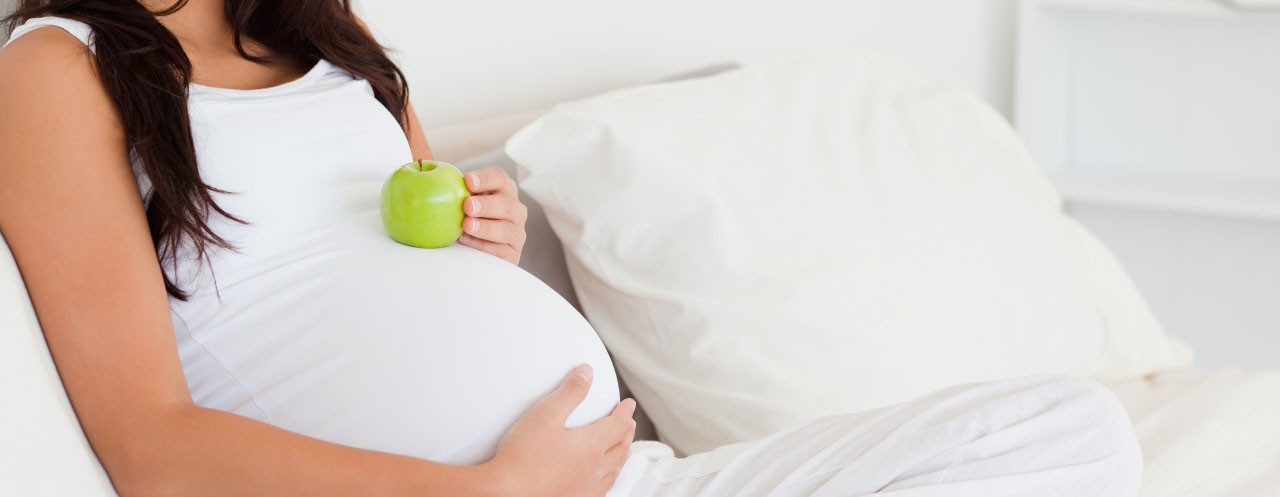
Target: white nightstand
<point>1159,121</point>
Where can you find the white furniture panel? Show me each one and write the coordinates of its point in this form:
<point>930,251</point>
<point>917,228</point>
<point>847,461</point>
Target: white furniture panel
<point>1170,86</point>
<point>1159,122</point>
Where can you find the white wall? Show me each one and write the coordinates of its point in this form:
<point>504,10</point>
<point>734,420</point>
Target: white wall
<point>479,58</point>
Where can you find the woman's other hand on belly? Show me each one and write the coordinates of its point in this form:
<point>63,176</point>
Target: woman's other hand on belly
<point>539,457</point>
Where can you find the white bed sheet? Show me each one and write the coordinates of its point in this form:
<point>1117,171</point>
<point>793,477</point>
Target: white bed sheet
<point>1207,434</point>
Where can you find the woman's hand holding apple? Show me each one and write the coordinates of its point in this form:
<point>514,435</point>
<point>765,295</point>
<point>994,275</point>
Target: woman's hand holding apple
<point>495,217</point>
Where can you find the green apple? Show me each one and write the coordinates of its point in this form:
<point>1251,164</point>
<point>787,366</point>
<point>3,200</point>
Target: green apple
<point>422,204</point>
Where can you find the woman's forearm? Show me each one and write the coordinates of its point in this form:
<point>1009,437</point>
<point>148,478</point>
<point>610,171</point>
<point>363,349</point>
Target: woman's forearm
<point>195,452</point>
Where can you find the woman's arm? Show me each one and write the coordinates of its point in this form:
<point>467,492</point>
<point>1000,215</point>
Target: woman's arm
<point>72,215</point>
<point>417,139</point>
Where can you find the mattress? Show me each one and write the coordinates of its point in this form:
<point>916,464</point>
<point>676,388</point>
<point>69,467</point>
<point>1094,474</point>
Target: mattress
<point>1207,433</point>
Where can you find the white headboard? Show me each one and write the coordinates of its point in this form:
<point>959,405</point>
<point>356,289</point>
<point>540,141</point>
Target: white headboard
<point>472,59</point>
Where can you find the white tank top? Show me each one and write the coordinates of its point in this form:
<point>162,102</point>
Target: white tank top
<point>320,323</point>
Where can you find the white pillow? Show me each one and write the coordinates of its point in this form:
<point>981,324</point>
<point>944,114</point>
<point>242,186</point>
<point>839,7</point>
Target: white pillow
<point>817,236</point>
<point>43,452</point>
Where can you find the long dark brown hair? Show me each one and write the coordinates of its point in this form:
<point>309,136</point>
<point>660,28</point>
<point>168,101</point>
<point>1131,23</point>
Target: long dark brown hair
<point>146,73</point>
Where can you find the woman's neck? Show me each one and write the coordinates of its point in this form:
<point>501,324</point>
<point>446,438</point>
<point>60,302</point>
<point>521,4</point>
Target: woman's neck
<point>200,25</point>
<point>209,42</point>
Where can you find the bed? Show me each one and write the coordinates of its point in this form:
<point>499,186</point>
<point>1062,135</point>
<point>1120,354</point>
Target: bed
<point>1207,433</point>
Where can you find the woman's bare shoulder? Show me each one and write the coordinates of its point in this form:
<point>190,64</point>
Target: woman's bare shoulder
<point>49,84</point>
<point>55,108</point>
<point>45,66</point>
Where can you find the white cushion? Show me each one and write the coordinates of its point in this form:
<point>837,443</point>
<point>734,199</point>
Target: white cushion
<point>818,236</point>
<point>43,452</point>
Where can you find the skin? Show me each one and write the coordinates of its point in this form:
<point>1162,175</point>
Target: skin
<point>77,230</point>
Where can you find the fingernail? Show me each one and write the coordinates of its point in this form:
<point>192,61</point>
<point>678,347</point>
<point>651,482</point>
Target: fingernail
<point>475,205</point>
<point>471,226</point>
<point>583,371</point>
<point>473,180</point>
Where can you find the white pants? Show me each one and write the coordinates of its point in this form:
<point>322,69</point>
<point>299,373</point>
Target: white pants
<point>1040,436</point>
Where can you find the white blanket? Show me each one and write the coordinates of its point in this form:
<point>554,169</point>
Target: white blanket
<point>1207,434</point>
<point>1039,436</point>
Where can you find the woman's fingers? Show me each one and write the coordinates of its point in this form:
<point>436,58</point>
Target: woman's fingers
<point>615,427</point>
<point>571,392</point>
<point>493,230</point>
<point>615,459</point>
<point>496,207</point>
<point>500,250</point>
<point>495,217</point>
<point>606,483</point>
<point>616,455</point>
<point>490,179</point>
<point>626,407</point>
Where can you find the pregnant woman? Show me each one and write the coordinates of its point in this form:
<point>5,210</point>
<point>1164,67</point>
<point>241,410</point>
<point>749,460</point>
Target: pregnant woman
<point>190,191</point>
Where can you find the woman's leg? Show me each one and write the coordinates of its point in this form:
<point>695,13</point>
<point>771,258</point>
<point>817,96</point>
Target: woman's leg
<point>1040,436</point>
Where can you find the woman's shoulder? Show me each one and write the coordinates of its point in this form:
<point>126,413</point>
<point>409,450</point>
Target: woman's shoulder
<point>48,81</point>
<point>46,50</point>
<point>47,61</point>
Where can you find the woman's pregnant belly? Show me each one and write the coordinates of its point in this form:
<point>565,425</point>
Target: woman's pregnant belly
<point>432,354</point>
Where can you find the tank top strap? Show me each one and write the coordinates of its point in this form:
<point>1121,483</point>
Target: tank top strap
<point>80,30</point>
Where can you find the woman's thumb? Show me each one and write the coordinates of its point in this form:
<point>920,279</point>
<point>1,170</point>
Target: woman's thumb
<point>571,392</point>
